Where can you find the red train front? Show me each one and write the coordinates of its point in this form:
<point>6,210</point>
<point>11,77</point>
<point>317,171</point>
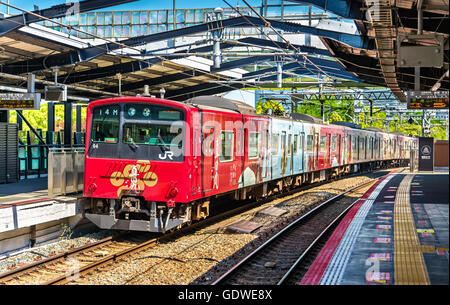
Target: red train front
<point>135,165</point>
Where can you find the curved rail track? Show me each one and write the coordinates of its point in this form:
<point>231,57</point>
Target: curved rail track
<point>278,260</point>
<point>60,269</point>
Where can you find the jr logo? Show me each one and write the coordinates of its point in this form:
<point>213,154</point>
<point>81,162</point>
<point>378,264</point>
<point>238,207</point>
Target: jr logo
<point>167,154</point>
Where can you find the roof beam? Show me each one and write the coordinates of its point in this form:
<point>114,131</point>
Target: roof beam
<point>327,66</point>
<point>130,67</point>
<point>344,8</point>
<point>17,21</point>
<point>76,56</point>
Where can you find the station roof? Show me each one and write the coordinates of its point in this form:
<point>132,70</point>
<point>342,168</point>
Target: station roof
<point>378,66</point>
<point>94,68</point>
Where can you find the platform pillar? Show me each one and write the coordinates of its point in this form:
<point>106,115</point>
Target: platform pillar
<point>67,124</point>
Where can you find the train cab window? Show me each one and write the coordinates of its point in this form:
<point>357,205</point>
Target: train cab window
<point>105,124</point>
<point>323,140</point>
<point>309,143</point>
<point>152,134</point>
<point>227,145</point>
<point>253,145</point>
<point>275,143</point>
<point>333,143</point>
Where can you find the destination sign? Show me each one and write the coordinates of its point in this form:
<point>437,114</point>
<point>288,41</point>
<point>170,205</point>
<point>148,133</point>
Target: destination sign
<point>427,99</point>
<point>20,101</point>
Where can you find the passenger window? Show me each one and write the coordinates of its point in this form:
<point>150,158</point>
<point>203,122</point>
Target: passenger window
<point>289,145</point>
<point>309,143</point>
<point>253,141</point>
<point>295,143</point>
<point>323,140</point>
<point>302,142</point>
<point>333,143</point>
<point>275,144</point>
<point>227,138</point>
<point>283,141</point>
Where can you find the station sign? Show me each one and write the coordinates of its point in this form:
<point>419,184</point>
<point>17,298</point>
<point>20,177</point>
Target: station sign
<point>20,101</point>
<point>427,99</point>
<point>426,154</point>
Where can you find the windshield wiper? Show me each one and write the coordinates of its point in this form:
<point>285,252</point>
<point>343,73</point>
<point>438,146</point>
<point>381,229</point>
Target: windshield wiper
<point>162,140</point>
<point>90,145</point>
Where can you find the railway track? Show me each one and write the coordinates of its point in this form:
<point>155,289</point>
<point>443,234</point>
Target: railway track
<point>61,268</point>
<point>282,258</point>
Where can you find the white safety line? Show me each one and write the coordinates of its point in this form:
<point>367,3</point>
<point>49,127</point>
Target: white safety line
<point>338,264</point>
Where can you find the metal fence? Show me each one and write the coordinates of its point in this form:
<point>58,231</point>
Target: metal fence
<point>65,171</point>
<point>33,155</point>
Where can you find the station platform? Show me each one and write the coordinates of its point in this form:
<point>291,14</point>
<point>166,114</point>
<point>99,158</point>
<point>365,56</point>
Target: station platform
<point>29,216</point>
<point>396,234</point>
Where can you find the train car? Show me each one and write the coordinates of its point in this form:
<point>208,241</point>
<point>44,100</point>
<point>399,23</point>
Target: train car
<point>155,165</point>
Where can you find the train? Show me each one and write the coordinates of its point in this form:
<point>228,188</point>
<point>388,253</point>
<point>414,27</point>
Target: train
<point>155,165</point>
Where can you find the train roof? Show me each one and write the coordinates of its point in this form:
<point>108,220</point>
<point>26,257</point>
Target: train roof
<point>222,103</point>
<point>306,118</point>
<point>376,129</point>
<point>347,124</point>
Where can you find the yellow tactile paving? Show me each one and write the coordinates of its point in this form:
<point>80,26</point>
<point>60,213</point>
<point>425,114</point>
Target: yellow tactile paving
<point>409,264</point>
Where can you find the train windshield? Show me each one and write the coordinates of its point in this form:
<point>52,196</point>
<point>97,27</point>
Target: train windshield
<point>152,134</point>
<point>105,124</point>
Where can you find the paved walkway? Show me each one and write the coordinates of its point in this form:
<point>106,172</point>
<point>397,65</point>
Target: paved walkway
<point>397,233</point>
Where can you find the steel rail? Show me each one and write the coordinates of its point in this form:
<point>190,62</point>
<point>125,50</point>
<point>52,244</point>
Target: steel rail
<point>313,244</point>
<point>14,273</point>
<point>299,220</point>
<point>111,258</point>
<point>190,227</point>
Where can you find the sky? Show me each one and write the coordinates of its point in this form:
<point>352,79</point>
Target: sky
<point>136,5</point>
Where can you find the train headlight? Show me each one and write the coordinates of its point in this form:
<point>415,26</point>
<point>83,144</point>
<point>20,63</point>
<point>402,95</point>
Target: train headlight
<point>173,192</point>
<point>92,187</point>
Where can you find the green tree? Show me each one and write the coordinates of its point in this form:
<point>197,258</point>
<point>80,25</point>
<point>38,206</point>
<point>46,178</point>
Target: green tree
<point>38,118</point>
<point>263,107</point>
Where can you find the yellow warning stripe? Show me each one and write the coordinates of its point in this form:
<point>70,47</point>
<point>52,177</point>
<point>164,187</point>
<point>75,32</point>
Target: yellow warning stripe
<point>409,264</point>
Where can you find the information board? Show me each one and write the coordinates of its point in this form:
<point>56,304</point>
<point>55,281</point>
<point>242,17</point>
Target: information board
<point>20,101</point>
<point>427,99</point>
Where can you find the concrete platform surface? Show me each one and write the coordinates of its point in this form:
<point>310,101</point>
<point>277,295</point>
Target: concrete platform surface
<point>396,234</point>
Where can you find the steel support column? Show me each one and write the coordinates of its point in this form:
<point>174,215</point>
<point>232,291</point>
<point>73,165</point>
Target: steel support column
<point>68,124</point>
<point>51,117</point>
<point>78,118</point>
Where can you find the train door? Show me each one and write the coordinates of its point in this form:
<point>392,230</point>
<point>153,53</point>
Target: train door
<point>327,160</point>
<point>316,150</point>
<point>196,158</point>
<point>295,153</point>
<point>284,156</point>
<point>265,154</point>
<point>339,146</point>
<point>208,153</point>
<point>289,155</point>
<point>301,153</point>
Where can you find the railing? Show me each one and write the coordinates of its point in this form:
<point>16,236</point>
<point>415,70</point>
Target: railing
<point>33,155</point>
<point>65,171</point>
